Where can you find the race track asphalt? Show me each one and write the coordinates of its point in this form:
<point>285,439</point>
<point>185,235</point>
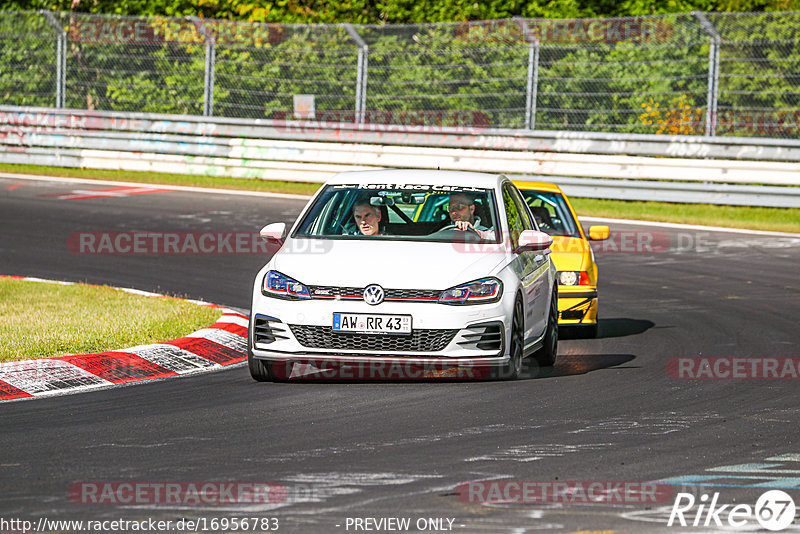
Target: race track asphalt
<point>608,410</point>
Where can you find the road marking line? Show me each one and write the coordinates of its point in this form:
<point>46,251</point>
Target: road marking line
<point>688,226</point>
<point>111,192</point>
<point>190,189</point>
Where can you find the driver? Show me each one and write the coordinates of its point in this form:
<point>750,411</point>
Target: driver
<point>462,214</point>
<point>367,218</point>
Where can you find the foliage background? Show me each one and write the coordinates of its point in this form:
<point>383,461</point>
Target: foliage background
<point>397,11</point>
<point>640,87</point>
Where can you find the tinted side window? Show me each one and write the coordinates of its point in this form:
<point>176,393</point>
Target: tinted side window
<point>516,222</point>
<point>527,221</point>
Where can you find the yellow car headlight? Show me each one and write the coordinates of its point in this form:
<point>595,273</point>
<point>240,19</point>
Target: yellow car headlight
<point>573,278</point>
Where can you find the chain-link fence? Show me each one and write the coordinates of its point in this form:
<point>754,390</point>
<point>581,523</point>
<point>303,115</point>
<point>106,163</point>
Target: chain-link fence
<point>28,60</point>
<point>696,74</point>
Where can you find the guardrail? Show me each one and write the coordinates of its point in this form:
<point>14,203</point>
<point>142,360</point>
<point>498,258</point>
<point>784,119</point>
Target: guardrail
<point>744,171</point>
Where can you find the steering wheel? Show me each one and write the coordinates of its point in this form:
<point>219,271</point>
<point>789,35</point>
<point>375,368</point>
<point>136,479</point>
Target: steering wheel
<point>451,231</point>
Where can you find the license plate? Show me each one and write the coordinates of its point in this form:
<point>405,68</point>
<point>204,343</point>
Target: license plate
<point>371,323</point>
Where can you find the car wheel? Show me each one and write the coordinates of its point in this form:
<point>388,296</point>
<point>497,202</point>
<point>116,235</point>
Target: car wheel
<point>513,369</point>
<point>260,370</point>
<point>546,356</point>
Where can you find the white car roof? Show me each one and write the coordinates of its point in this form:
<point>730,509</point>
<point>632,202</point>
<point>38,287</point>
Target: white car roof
<point>418,176</point>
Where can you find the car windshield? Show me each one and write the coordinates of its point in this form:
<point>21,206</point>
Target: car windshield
<point>551,212</point>
<point>411,212</point>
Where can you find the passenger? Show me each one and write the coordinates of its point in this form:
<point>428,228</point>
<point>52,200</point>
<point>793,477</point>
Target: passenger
<point>367,218</point>
<point>462,214</point>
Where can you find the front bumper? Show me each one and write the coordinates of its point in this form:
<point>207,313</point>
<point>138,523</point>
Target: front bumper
<point>577,306</point>
<point>460,335</point>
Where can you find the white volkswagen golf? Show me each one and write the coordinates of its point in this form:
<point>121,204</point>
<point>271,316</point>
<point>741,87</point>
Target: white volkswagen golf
<point>406,274</point>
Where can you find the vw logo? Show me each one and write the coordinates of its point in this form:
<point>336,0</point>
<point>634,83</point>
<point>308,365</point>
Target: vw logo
<point>373,294</point>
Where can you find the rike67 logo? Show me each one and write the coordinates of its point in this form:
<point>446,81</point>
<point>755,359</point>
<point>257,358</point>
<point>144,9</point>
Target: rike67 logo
<point>774,510</point>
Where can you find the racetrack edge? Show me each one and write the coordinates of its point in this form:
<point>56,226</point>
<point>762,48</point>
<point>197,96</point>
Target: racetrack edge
<point>220,345</point>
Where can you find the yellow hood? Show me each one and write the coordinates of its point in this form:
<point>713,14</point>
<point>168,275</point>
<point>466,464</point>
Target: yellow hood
<point>570,253</point>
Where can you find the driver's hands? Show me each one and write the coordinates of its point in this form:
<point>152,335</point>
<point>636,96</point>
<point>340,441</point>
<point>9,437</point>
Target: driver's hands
<point>465,225</point>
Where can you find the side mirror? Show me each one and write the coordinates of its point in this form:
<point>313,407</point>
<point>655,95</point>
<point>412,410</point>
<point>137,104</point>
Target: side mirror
<point>598,233</point>
<point>274,231</point>
<point>533,240</point>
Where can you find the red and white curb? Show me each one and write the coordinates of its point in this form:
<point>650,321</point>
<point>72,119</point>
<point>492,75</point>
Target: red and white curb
<point>222,344</point>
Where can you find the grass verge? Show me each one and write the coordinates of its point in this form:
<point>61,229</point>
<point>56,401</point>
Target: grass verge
<point>772,219</point>
<point>162,178</point>
<point>43,320</point>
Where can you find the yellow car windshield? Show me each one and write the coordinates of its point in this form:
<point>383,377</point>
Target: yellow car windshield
<point>551,212</point>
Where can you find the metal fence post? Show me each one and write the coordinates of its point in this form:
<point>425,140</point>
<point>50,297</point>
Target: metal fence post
<point>364,67</point>
<point>61,59</point>
<point>210,64</point>
<point>361,73</point>
<point>532,87</point>
<point>713,72</point>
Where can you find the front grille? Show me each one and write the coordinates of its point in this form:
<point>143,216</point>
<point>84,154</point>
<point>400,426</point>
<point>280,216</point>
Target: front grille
<point>357,293</point>
<point>323,337</point>
<point>486,336</point>
<point>267,329</point>
<point>331,291</point>
<point>413,294</point>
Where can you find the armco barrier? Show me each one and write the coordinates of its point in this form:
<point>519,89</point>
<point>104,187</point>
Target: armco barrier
<point>634,167</point>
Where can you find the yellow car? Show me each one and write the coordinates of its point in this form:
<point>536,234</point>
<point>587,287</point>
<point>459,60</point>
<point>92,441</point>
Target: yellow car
<point>572,254</point>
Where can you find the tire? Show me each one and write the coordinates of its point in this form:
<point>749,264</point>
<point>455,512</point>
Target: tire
<point>260,370</point>
<point>546,356</point>
<point>513,369</point>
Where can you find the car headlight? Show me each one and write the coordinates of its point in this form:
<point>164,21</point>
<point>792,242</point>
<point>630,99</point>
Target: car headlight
<point>480,291</point>
<point>573,278</point>
<point>280,286</point>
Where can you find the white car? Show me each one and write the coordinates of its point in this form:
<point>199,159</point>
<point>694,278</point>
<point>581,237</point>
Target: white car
<point>406,274</point>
